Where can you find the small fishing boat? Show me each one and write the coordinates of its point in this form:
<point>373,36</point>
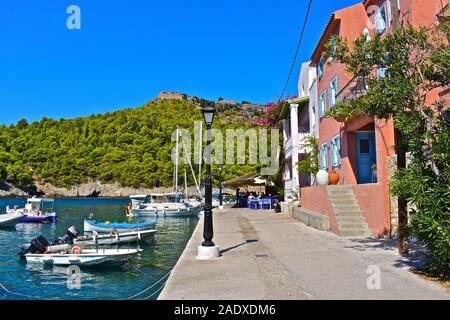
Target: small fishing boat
<point>118,227</point>
<point>114,238</point>
<point>36,210</point>
<point>166,205</point>
<point>84,257</point>
<point>10,219</point>
<point>63,254</point>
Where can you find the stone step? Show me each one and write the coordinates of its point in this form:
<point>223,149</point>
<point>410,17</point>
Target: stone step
<point>350,219</point>
<point>340,193</point>
<point>352,225</point>
<point>344,202</point>
<point>341,197</point>
<point>340,187</point>
<point>345,207</point>
<point>348,212</point>
<point>355,232</point>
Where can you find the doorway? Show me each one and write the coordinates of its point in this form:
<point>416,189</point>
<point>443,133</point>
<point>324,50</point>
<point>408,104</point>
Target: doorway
<point>365,155</point>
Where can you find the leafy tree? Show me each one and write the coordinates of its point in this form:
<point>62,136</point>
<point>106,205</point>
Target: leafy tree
<point>412,64</point>
<point>130,146</point>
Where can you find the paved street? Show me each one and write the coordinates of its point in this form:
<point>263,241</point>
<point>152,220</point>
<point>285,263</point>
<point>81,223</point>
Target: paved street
<point>272,256</point>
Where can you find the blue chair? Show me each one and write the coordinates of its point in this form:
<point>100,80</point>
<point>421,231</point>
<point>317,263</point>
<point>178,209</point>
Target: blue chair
<point>266,203</point>
<point>253,204</point>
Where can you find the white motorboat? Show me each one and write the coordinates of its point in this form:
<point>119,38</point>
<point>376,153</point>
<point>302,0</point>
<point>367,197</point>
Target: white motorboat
<point>85,257</point>
<point>36,210</point>
<point>160,204</point>
<point>117,238</point>
<point>10,219</point>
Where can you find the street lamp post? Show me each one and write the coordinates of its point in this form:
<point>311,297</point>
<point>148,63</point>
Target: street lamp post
<point>208,249</point>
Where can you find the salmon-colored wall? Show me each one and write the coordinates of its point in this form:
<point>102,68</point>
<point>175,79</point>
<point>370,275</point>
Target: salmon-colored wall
<point>371,201</point>
<point>352,21</point>
<point>316,199</point>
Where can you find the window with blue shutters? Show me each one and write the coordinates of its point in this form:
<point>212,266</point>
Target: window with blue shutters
<point>320,67</point>
<point>333,92</point>
<point>336,151</point>
<point>324,156</point>
<point>380,20</point>
<point>381,72</point>
<point>323,104</point>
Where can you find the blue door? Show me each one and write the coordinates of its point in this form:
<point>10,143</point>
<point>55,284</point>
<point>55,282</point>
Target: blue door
<point>365,155</point>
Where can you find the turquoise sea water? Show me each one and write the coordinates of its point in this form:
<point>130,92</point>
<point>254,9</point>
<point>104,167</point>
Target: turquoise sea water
<point>37,281</point>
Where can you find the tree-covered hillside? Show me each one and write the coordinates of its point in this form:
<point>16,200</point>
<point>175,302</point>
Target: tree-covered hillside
<point>130,146</point>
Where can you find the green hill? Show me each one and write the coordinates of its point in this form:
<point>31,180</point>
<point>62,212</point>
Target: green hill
<point>131,146</point>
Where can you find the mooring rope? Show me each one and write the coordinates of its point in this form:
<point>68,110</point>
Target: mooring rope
<point>17,294</point>
<point>142,272</point>
<point>149,288</point>
<point>157,291</point>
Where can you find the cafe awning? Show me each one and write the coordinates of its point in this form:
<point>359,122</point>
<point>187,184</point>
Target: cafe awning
<point>251,179</point>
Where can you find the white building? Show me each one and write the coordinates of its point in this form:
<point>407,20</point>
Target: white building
<point>300,120</point>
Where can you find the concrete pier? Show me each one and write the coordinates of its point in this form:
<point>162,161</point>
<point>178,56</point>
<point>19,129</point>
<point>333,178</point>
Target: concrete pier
<point>273,256</point>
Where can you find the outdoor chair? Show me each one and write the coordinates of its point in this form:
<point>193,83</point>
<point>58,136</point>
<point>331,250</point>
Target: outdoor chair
<point>253,204</point>
<point>266,203</point>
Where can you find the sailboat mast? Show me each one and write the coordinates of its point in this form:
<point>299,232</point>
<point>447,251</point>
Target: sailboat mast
<point>185,184</point>
<point>176,166</point>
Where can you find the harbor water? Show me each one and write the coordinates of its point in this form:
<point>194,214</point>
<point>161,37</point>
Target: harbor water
<point>33,281</point>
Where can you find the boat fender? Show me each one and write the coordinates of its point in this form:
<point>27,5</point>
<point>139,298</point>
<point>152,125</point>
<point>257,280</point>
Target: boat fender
<point>76,250</point>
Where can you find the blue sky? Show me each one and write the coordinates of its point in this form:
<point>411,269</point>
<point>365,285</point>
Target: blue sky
<point>128,51</point>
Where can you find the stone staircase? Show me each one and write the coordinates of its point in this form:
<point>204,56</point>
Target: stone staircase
<point>349,217</point>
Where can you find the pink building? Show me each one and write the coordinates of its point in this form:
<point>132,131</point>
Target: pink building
<point>361,150</point>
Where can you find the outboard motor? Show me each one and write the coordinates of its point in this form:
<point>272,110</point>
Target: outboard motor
<point>71,234</point>
<point>38,245</point>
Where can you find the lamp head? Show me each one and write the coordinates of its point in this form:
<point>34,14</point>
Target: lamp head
<point>208,115</point>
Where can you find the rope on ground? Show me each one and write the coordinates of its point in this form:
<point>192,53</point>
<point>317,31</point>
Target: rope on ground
<point>16,293</point>
<point>149,288</point>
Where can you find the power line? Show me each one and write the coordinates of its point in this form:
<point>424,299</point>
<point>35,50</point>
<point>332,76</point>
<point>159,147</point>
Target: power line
<point>296,51</point>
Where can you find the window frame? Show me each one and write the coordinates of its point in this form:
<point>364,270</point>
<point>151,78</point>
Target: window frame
<point>323,102</point>
<point>335,146</point>
<point>321,68</point>
<point>324,155</point>
<point>379,17</point>
<point>334,84</point>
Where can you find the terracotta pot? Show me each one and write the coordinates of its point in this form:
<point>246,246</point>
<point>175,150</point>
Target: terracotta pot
<point>334,177</point>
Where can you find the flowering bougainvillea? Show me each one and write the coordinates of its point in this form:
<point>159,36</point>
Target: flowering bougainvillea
<point>272,114</point>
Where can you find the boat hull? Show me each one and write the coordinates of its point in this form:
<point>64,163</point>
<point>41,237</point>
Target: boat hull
<point>52,218</point>
<point>10,219</point>
<point>90,226</point>
<point>106,257</point>
<point>186,212</point>
<point>115,239</point>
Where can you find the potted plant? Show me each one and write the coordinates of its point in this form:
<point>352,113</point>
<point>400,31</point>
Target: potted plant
<point>310,164</point>
<point>334,177</point>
